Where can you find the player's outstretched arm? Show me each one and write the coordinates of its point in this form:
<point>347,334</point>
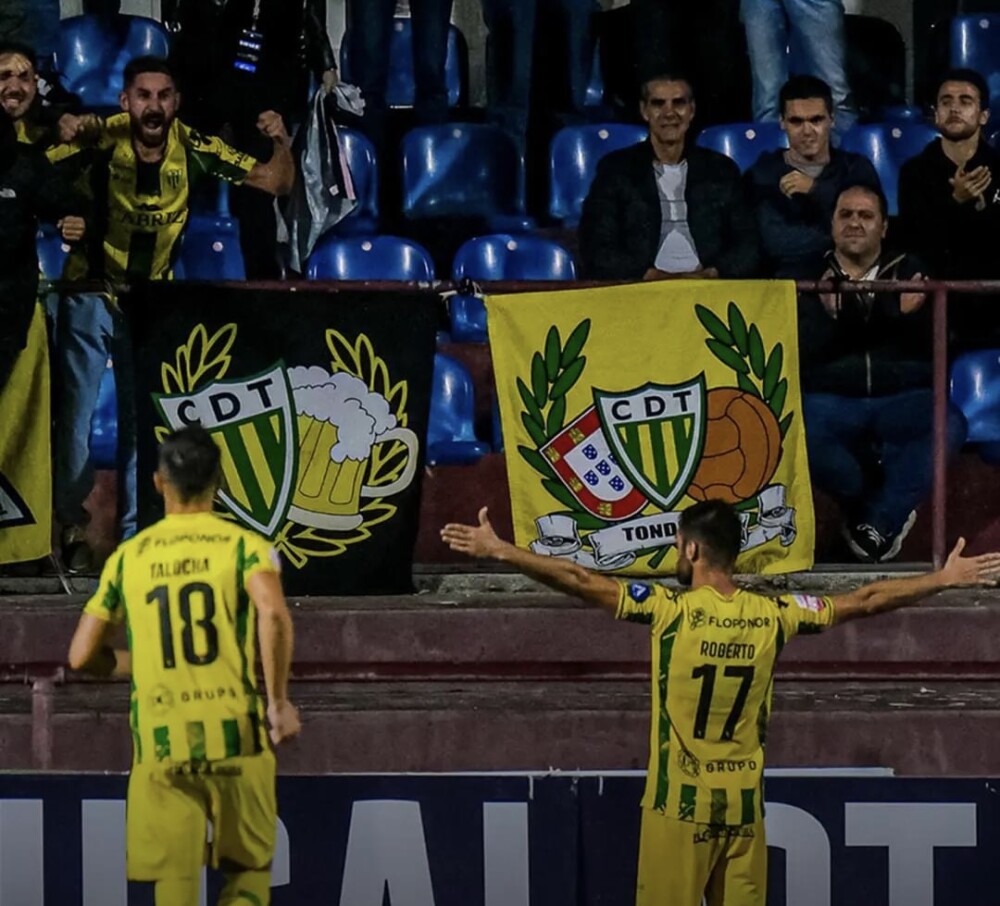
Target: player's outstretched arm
<point>91,651</point>
<point>482,541</point>
<point>890,594</point>
<point>275,634</point>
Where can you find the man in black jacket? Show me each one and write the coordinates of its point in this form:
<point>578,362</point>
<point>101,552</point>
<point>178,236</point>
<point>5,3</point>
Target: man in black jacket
<point>793,192</point>
<point>29,192</point>
<point>666,208</point>
<point>949,201</point>
<point>865,361</point>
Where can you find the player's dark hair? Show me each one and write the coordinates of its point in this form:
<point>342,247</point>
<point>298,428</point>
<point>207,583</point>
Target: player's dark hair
<point>876,193</point>
<point>667,77</point>
<point>138,66</point>
<point>970,76</point>
<point>191,462</point>
<point>716,527</point>
<point>805,88</point>
<point>18,47</point>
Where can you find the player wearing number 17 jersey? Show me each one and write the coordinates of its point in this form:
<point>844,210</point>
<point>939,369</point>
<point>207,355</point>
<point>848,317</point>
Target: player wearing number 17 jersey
<point>714,648</point>
<point>195,592</point>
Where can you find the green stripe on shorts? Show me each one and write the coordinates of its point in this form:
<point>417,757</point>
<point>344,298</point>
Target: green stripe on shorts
<point>196,740</point>
<point>720,805</point>
<point>688,802</point>
<point>161,743</point>
<point>747,811</point>
<point>231,735</point>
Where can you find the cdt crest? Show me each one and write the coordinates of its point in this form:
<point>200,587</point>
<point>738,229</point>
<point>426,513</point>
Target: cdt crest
<point>657,433</point>
<point>253,421</point>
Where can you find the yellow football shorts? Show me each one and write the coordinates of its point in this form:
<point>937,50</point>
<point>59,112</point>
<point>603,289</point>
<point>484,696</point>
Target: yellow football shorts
<point>680,862</point>
<point>168,810</point>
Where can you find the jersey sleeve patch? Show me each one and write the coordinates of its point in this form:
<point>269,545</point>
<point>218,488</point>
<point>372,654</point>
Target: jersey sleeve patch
<point>639,591</point>
<point>810,602</point>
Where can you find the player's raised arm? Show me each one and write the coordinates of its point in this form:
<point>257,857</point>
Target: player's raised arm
<point>482,541</point>
<point>275,633</point>
<point>890,594</point>
<point>277,176</point>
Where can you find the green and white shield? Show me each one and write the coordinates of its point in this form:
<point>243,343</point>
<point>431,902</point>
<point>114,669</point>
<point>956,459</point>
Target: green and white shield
<point>657,433</point>
<point>253,422</point>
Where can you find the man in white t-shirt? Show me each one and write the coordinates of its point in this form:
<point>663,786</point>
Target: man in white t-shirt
<point>666,208</point>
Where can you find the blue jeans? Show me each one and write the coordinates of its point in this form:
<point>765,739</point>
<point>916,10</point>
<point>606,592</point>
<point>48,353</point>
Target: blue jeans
<point>371,24</point>
<point>874,454</point>
<point>87,332</point>
<point>814,30</point>
<point>512,47</point>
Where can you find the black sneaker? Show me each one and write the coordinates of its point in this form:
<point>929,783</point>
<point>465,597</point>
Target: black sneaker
<point>867,543</point>
<point>77,556</point>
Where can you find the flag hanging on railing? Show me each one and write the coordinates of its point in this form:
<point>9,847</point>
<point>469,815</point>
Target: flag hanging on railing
<point>319,401</point>
<point>623,405</point>
<point>25,452</point>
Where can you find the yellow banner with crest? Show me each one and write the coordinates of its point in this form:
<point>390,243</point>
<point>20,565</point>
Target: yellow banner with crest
<point>621,406</point>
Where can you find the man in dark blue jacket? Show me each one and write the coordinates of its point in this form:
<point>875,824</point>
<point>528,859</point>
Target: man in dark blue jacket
<point>865,365</point>
<point>665,208</point>
<point>793,192</point>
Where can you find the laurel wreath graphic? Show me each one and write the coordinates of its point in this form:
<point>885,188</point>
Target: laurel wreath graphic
<point>554,372</point>
<point>203,359</point>
<point>741,348</point>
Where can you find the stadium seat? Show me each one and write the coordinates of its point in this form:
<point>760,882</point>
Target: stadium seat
<point>975,389</point>
<point>743,142</point>
<point>975,44</point>
<point>369,258</point>
<point>210,249</point>
<point>362,161</point>
<point>595,85</point>
<point>451,436</point>
<point>573,157</point>
<point>401,88</point>
<point>104,424</point>
<point>501,257</point>
<point>888,146</point>
<point>903,113</point>
<point>464,170</point>
<point>52,252</point>
<point>93,51</point>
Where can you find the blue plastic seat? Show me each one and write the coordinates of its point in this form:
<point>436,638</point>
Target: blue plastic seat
<point>743,142</point>
<point>93,51</point>
<point>464,170</point>
<point>903,113</point>
<point>104,424</point>
<point>595,84</point>
<point>501,257</point>
<point>573,157</point>
<point>362,161</point>
<point>975,44</point>
<point>210,249</point>
<point>975,389</point>
<point>451,435</point>
<point>369,258</point>
<point>401,88</point>
<point>888,146</point>
<point>52,252</point>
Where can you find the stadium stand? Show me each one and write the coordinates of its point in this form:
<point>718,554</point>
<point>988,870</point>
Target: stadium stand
<point>93,52</point>
<point>743,142</point>
<point>369,258</point>
<point>362,161</point>
<point>573,157</point>
<point>451,435</point>
<point>975,44</point>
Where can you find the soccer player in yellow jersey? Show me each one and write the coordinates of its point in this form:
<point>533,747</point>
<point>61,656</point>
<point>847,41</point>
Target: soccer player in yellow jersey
<point>714,648</point>
<point>196,593</point>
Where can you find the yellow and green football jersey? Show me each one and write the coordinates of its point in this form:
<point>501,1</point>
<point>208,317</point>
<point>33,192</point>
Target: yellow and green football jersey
<point>180,588</point>
<point>141,208</point>
<point>713,661</point>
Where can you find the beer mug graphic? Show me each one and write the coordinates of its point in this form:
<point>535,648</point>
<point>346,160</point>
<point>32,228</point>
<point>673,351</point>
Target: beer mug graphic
<point>340,422</point>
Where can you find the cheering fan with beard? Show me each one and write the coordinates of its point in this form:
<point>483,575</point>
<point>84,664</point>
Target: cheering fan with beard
<point>141,166</point>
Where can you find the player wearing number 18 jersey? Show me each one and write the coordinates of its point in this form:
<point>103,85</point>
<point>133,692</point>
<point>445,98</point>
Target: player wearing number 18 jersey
<point>191,590</point>
<point>714,649</point>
